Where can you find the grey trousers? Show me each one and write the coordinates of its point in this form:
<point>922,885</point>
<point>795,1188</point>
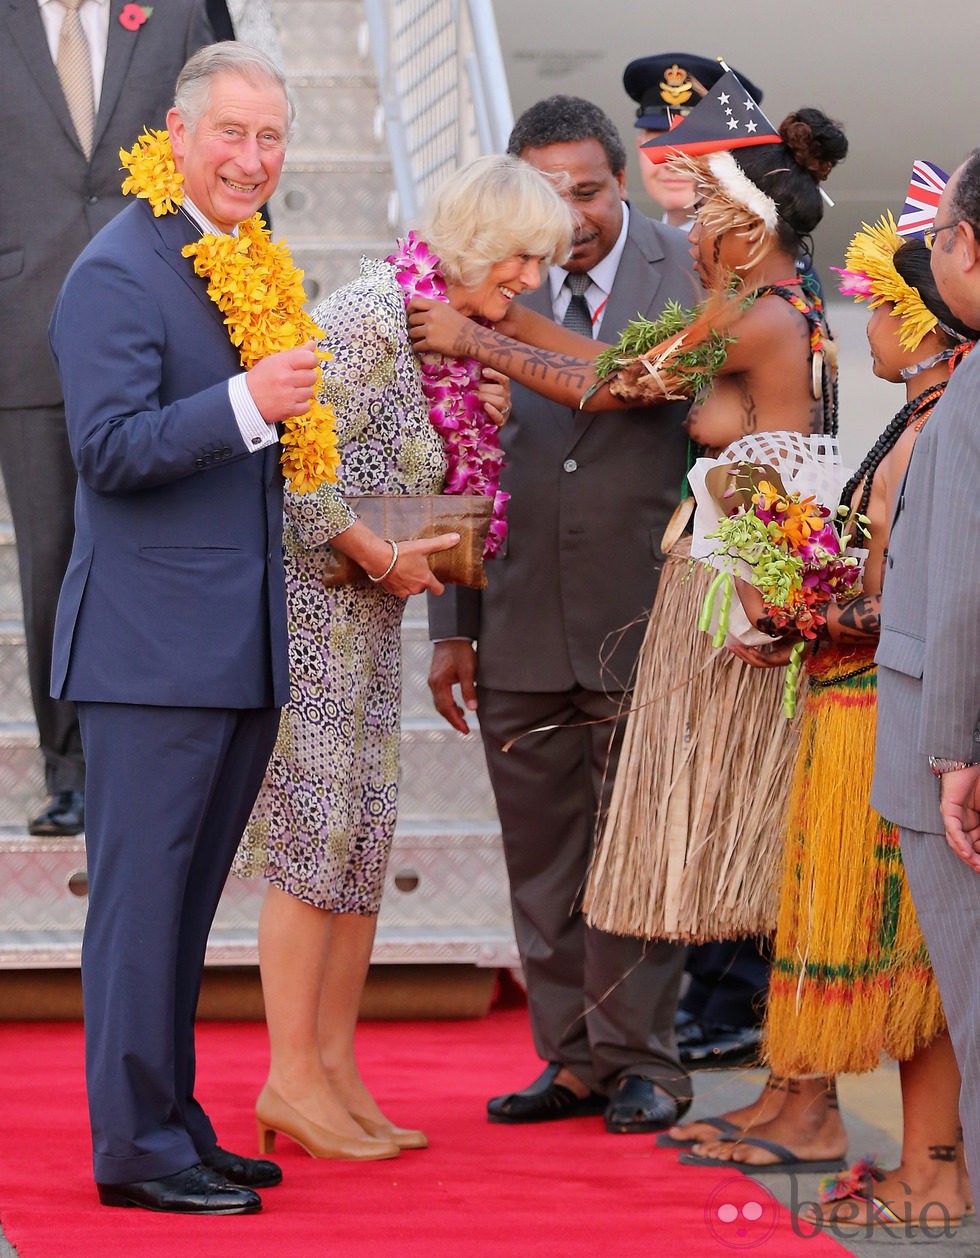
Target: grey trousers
<point>946,894</point>
<point>39,476</point>
<point>603,1005</point>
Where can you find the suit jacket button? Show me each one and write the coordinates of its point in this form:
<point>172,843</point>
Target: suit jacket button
<point>570,465</point>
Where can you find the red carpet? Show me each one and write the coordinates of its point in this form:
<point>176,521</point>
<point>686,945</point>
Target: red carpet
<point>560,1190</point>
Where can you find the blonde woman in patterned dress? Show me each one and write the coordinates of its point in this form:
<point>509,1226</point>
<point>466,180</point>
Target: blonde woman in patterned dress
<point>323,824</point>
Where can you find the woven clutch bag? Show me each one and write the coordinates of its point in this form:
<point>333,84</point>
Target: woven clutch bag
<point>405,517</point>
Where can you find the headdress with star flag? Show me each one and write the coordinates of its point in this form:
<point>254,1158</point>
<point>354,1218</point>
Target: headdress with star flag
<point>726,118</point>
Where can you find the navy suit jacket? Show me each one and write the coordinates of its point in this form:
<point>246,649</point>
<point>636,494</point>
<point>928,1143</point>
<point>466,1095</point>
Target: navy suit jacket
<point>174,594</point>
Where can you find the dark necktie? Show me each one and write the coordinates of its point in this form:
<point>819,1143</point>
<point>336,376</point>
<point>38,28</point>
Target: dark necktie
<point>577,316</point>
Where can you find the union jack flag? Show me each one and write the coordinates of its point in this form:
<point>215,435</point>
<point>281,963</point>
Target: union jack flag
<point>922,199</point>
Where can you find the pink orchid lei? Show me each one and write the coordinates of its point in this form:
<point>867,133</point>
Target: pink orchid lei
<point>473,455</point>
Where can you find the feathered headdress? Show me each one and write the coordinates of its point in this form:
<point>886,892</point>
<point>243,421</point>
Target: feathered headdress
<point>730,200</point>
<point>869,274</point>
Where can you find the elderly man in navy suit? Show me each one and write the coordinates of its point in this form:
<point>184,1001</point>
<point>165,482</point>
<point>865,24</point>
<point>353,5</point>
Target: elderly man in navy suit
<point>78,79</point>
<point>171,634</point>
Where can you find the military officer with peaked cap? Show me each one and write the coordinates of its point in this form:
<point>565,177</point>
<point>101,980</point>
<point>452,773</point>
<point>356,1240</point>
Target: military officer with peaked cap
<point>666,86</point>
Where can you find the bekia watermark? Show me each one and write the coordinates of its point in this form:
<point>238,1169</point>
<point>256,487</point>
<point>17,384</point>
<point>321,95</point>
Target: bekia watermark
<point>741,1215</point>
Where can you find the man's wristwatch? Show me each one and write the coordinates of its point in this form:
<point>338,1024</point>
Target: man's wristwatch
<point>939,765</point>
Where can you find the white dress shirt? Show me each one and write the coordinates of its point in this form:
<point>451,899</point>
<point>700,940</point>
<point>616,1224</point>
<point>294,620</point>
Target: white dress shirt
<point>602,275</point>
<point>256,433</point>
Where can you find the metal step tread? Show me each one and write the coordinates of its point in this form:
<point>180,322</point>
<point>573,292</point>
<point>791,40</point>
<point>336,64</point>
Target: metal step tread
<point>326,79</point>
<point>62,949</point>
<point>414,833</point>
<point>299,163</point>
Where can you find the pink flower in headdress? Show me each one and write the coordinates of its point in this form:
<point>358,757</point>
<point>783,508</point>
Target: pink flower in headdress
<point>853,283</point>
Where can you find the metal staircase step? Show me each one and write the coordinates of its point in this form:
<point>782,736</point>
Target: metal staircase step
<point>337,114</point>
<point>328,266</point>
<point>352,196</point>
<point>21,776</point>
<point>327,35</point>
<point>14,686</point>
<point>445,900</point>
<point>10,604</point>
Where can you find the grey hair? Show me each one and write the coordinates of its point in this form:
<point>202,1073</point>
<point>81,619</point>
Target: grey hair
<point>228,57</point>
<point>965,201</point>
<point>491,209</point>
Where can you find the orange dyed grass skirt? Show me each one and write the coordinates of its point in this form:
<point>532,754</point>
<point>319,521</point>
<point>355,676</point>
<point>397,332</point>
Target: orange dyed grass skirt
<point>851,977</point>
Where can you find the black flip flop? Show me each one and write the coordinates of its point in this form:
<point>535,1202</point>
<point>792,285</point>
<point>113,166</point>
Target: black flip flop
<point>788,1161</point>
<point>724,1126</point>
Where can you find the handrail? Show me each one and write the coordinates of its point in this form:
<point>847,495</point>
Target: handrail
<point>443,90</point>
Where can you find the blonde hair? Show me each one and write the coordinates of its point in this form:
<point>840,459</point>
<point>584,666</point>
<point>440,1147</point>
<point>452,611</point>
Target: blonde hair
<point>492,208</point>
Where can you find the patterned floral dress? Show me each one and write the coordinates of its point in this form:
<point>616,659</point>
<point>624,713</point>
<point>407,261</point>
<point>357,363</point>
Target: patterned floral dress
<point>323,823</point>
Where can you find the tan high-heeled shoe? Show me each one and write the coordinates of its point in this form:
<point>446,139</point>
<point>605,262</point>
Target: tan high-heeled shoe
<point>274,1116</point>
<point>404,1137</point>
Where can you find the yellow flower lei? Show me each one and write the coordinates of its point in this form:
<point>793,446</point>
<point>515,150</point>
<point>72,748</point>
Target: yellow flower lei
<point>259,290</point>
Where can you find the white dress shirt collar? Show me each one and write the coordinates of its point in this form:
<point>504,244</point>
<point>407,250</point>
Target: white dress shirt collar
<point>602,275</point>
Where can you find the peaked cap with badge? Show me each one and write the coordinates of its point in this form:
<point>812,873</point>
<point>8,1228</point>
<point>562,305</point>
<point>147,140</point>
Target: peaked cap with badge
<point>667,85</point>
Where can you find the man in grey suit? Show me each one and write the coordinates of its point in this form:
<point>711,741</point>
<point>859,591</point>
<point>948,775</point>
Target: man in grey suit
<point>64,115</point>
<point>559,629</point>
<point>929,662</point>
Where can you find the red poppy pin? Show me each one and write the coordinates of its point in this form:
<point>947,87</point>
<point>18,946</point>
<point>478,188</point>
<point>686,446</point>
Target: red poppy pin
<point>133,16</point>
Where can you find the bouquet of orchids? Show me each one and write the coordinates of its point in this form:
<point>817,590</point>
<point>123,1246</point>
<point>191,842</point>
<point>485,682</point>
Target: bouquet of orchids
<point>762,517</point>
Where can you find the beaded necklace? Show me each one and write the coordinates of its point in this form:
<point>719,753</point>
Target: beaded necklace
<point>823,381</point>
<point>918,409</point>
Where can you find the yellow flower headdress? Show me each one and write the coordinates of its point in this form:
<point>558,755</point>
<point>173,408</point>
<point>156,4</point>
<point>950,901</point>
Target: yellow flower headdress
<point>731,201</point>
<point>869,274</point>
<point>259,290</point>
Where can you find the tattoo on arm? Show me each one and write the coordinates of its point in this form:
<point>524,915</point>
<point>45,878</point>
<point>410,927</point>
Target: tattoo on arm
<point>561,377</point>
<point>942,1152</point>
<point>767,625</point>
<point>859,619</point>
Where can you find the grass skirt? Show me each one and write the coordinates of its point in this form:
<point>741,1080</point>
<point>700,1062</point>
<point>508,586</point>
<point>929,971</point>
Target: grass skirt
<point>850,972</point>
<point>692,841</point>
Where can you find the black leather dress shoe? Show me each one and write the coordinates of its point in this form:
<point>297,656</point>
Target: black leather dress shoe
<point>701,1046</point>
<point>197,1190</point>
<point>543,1101</point>
<point>640,1105</point>
<point>248,1172</point>
<point>64,815</point>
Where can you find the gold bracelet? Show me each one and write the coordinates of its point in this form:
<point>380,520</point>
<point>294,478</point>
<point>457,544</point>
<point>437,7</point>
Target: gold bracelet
<point>394,560</point>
